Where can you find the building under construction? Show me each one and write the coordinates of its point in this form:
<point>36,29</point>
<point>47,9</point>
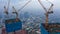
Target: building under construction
<point>49,28</point>
<point>15,25</point>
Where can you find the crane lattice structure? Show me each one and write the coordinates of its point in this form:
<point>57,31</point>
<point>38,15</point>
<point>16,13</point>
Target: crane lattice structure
<point>16,11</point>
<point>48,11</point>
<point>7,8</point>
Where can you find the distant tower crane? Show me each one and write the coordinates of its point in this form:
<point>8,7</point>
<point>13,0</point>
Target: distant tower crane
<point>6,8</point>
<point>16,11</point>
<point>49,11</point>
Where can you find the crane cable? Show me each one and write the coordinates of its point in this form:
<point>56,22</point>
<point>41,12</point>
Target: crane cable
<point>15,11</point>
<point>45,7</point>
<point>7,8</point>
<point>24,5</point>
<point>20,8</point>
<point>47,11</point>
<point>8,4</point>
<point>51,7</point>
<point>42,5</point>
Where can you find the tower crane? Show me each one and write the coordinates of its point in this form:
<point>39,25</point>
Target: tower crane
<point>6,8</point>
<point>16,11</point>
<point>49,11</point>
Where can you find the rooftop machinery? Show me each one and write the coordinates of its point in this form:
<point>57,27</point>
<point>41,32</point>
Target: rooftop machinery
<point>48,11</point>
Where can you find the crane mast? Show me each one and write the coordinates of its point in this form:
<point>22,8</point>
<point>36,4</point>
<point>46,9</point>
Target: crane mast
<point>16,11</point>
<point>6,8</point>
<point>49,11</point>
<point>6,11</point>
<point>42,5</point>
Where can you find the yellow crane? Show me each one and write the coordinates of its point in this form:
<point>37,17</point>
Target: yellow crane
<point>49,11</point>
<point>16,11</point>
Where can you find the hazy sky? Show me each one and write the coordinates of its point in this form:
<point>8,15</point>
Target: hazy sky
<point>33,6</point>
